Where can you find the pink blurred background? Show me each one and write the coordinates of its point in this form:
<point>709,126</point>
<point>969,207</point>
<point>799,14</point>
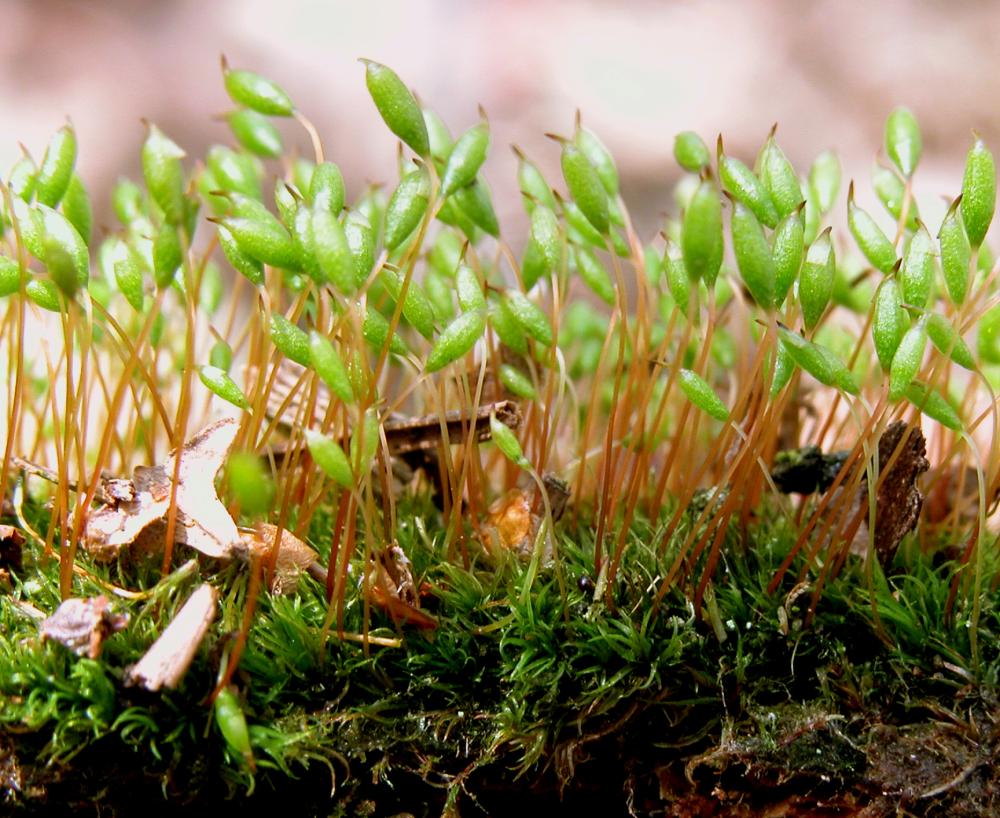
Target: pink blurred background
<point>826,71</point>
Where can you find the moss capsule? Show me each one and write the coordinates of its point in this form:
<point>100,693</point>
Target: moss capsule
<point>701,234</point>
<point>869,236</point>
<point>256,92</point>
<point>330,457</point>
<point>598,156</point>
<point>397,106</point>
<point>753,255</point>
<point>932,404</point>
<point>979,192</point>
<point>889,322</point>
<point>745,187</point>
<point>456,339</point>
<point>691,152</point>
<point>956,254</point>
<point>255,132</point>
<point>290,341</point>
<point>466,158</point>
<point>406,208</point>
<point>585,187</point>
<point>161,167</point>
<point>330,367</point>
<point>594,274</point>
<point>824,180</point>
<point>787,250</point>
<point>907,359</point>
<point>56,170</point>
<point>702,395</point>
<point>816,279</point>
<point>903,143</point>
<point>333,253</point>
<point>779,178</point>
<point>218,382</point>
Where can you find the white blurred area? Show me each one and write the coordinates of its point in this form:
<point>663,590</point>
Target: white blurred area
<point>826,71</point>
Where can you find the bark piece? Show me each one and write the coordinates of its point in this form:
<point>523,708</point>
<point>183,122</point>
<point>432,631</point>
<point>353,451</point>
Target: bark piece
<point>294,557</point>
<point>138,515</point>
<point>11,542</point>
<point>169,657</point>
<point>82,625</point>
<point>392,588</point>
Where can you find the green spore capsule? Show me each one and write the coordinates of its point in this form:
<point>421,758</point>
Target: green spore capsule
<point>456,339</point>
<point>824,180</point>
<point>702,395</point>
<point>956,254</point>
<point>167,255</point>
<point>330,457</point>
<point>290,341</point>
<point>233,725</point>
<point>869,236</point>
<point>516,382</point>
<point>470,291</point>
<point>475,203</point>
<point>594,274</point>
<point>746,188</point>
<point>255,133</point>
<point>10,277</point>
<point>530,317</point>
<point>753,255</point>
<point>902,140</point>
<point>598,156</point>
<point>234,172</point>
<point>779,178</point>
<point>375,329</point>
<point>701,235</point>
<point>56,170</point>
<point>932,404</point>
<point>255,92</point>
<point>76,208</point>
<point>889,322</point>
<point>221,356</point>
<point>945,338</point>
<point>507,329</point>
<point>818,361</point>
<point>242,263</point>
<point>916,275</point>
<point>534,189</point>
<point>264,238</point>
<point>787,250</point>
<point>817,279</point>
<point>691,152</point>
<point>364,442</point>
<point>438,136</point>
<point>406,208</point>
<point>397,106</point>
<point>218,382</point>
<point>979,192</point>
<point>250,484</point>
<point>466,158</point>
<point>330,367</point>
<point>161,168</point>
<point>585,187</point>
<point>326,188</point>
<point>417,307</point>
<point>908,358</point>
<point>507,442</point>
<point>333,252</point>
<point>891,191</point>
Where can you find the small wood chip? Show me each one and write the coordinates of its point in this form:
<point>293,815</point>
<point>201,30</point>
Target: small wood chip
<point>11,541</point>
<point>169,657</point>
<point>294,557</point>
<point>82,625</point>
<point>139,509</point>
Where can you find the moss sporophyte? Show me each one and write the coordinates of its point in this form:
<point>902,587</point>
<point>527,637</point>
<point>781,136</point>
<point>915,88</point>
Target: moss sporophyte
<point>334,479</point>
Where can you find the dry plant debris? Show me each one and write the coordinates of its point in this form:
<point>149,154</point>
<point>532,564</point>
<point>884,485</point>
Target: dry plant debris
<point>169,657</point>
<point>82,625</point>
<point>138,514</point>
<point>294,557</point>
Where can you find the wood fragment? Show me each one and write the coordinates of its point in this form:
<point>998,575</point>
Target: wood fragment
<point>82,625</point>
<point>169,657</point>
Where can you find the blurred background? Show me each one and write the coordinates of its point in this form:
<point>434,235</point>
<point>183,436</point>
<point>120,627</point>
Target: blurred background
<point>828,72</point>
